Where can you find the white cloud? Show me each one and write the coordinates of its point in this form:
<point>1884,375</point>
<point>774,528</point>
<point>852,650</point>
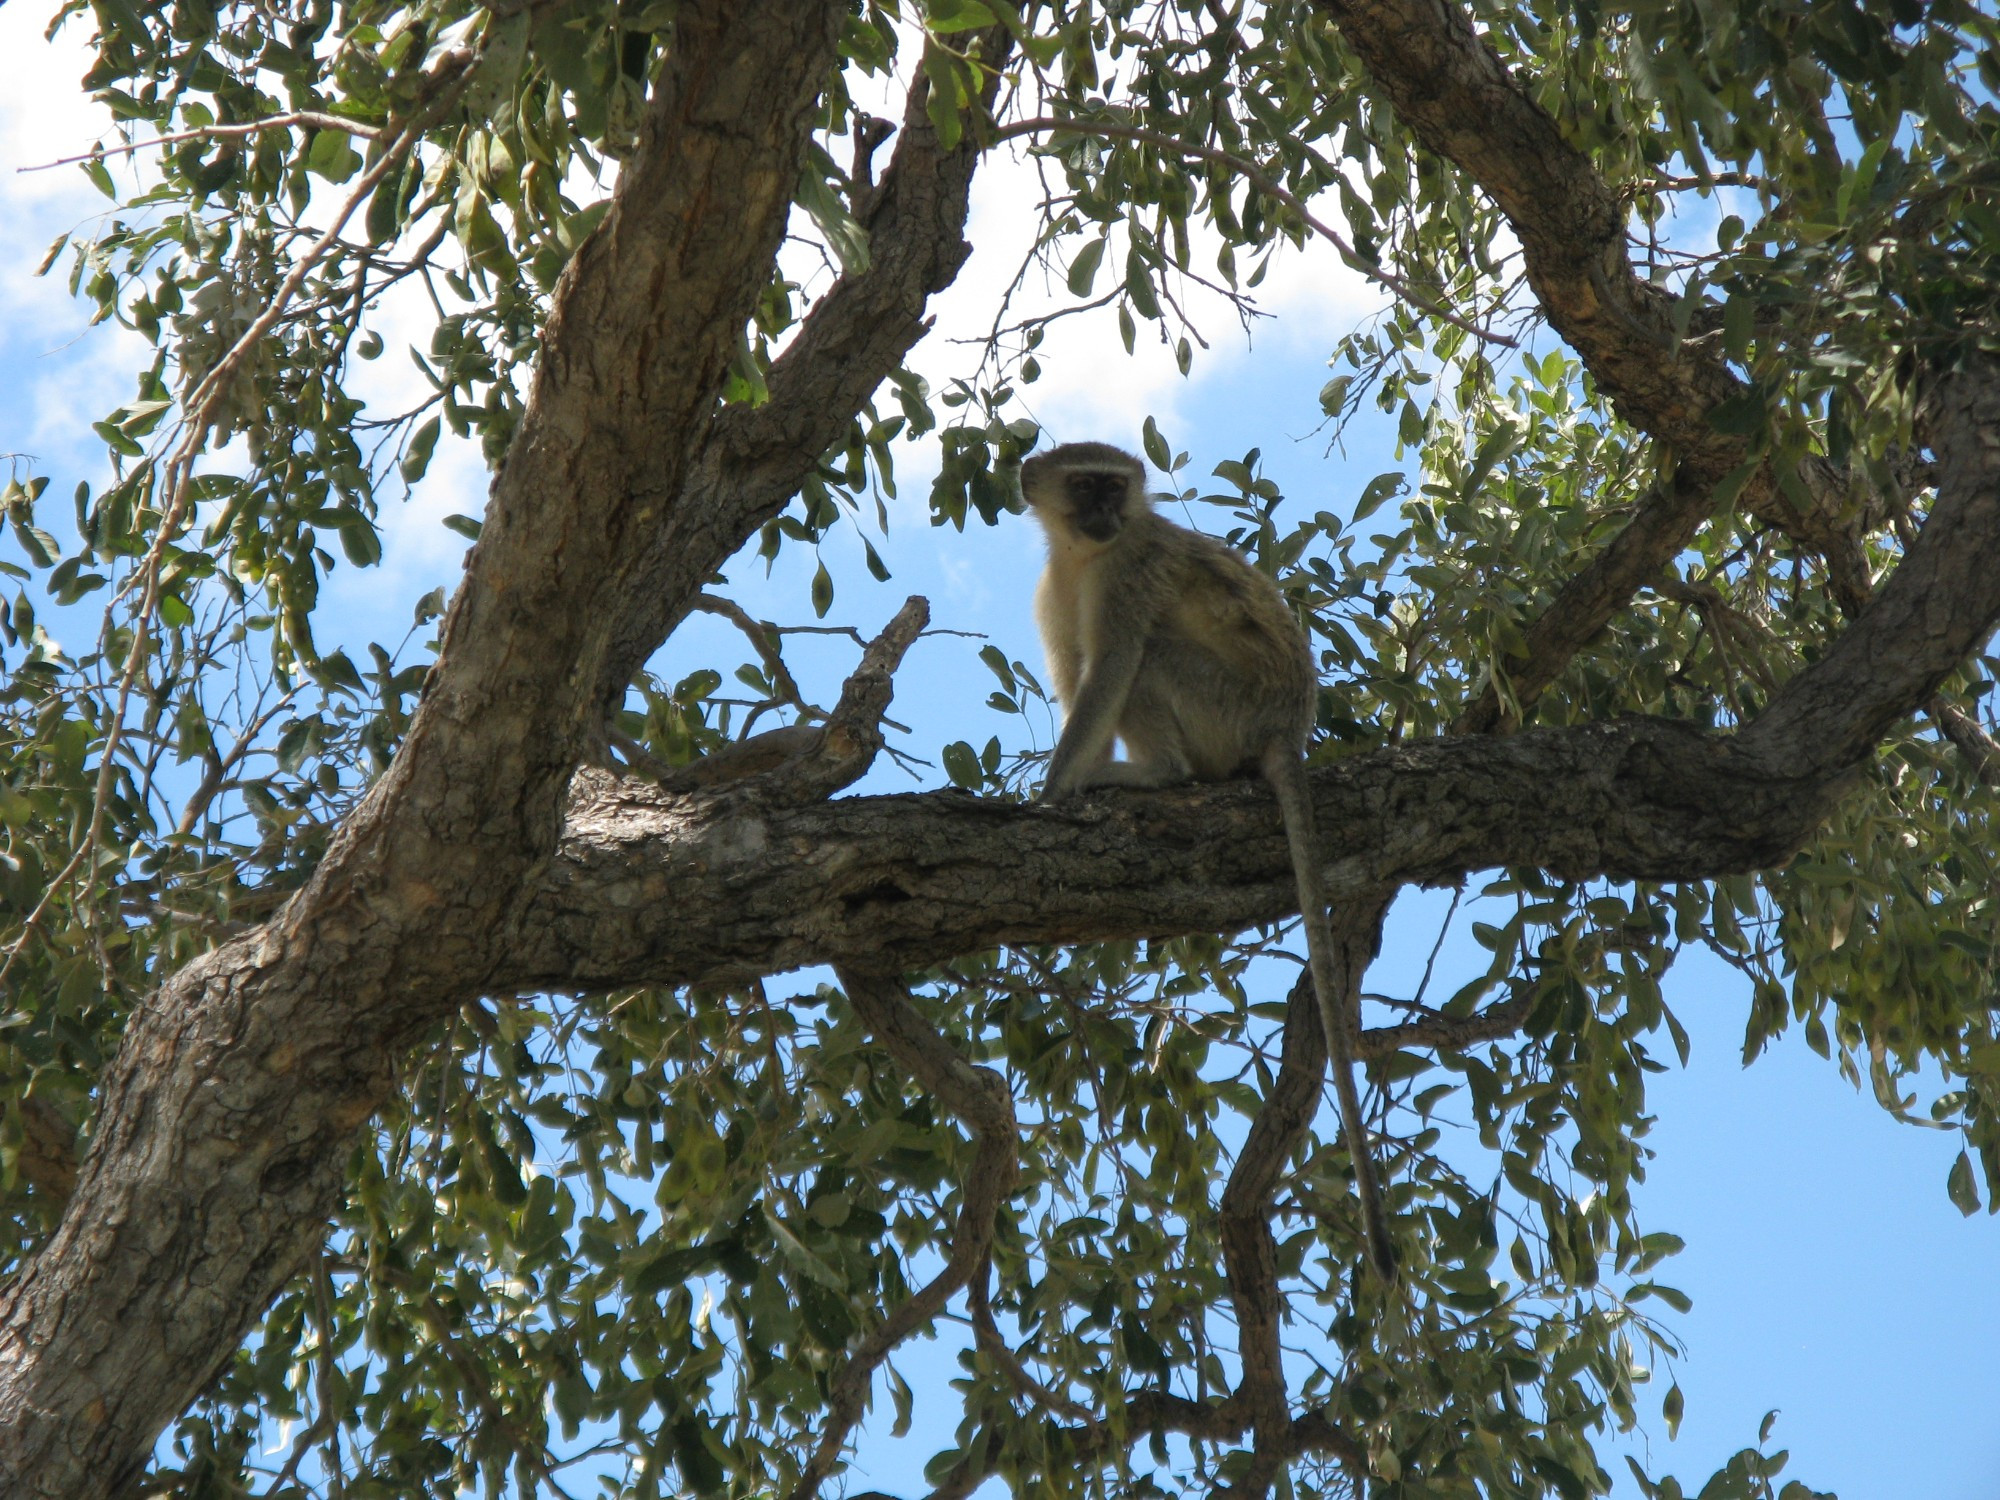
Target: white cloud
<point>1089,385</point>
<point>68,369</point>
<point>44,113</point>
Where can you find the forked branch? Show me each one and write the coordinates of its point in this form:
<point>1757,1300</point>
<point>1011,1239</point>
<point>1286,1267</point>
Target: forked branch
<point>810,762</point>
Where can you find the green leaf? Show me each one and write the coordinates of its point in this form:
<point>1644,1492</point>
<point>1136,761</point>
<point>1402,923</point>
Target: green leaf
<point>962,766</point>
<point>1678,1300</point>
<point>877,569</point>
<point>417,457</point>
<point>1157,451</point>
<point>1139,285</point>
<point>816,195</point>
<point>822,590</point>
<point>945,16</point>
<point>996,663</point>
<point>1740,415</point>
<point>699,1467</point>
<point>42,549</point>
<point>1382,487</point>
<point>903,1399</point>
<point>1962,1187</point>
<point>384,218</point>
<point>1083,269</point>
<point>332,156</point>
<point>945,97</point>
<point>802,1257</point>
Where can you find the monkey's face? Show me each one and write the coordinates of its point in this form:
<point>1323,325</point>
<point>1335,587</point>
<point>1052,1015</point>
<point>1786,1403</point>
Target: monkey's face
<point>1087,490</point>
<point>1098,501</point>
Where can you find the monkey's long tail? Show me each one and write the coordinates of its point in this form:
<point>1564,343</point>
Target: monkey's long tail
<point>1336,978</point>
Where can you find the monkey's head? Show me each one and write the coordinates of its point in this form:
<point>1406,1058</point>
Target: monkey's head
<point>1092,489</point>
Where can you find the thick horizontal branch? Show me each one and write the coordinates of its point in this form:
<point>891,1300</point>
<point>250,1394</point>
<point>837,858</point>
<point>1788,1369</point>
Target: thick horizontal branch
<point>649,887</point>
<point>652,887</point>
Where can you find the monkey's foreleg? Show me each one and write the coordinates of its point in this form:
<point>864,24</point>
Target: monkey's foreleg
<point>1090,725</point>
<point>1336,974</point>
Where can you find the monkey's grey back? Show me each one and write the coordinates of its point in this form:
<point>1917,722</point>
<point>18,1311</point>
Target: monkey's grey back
<point>1226,671</point>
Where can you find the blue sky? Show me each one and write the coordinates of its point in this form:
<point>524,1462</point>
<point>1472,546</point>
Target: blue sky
<point>1832,1279</point>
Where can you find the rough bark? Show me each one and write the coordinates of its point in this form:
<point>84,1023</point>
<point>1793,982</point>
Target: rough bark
<point>226,1116</point>
<point>855,335</point>
<point>653,888</point>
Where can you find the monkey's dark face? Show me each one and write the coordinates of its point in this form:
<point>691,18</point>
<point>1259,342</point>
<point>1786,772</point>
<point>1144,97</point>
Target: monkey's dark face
<point>1098,501</point>
<point>1087,490</point>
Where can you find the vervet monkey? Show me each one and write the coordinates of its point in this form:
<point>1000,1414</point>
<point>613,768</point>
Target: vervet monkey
<point>1168,640</point>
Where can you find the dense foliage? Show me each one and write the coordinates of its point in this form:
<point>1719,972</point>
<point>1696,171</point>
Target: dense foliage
<point>628,1241</point>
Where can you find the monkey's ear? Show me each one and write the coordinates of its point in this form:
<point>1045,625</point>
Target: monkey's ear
<point>1015,454</point>
<point>1011,472</point>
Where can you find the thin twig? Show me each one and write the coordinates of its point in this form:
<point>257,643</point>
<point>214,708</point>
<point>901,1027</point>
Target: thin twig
<point>323,1377</point>
<point>203,404</point>
<point>1444,928</point>
<point>1258,178</point>
<point>982,1101</point>
<point>1447,1033</point>
<point>311,119</point>
<point>526,1446</point>
<point>762,635</point>
<point>989,1337</point>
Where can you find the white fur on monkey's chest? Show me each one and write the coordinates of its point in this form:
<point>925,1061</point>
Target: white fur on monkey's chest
<point>1068,611</point>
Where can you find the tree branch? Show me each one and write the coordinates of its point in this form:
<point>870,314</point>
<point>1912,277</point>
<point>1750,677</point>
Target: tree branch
<point>1249,1252</point>
<point>649,888</point>
<point>1457,97</point>
<point>226,1117</point>
<point>310,119</point>
<point>652,888</point>
<point>764,638</point>
<point>810,762</point>
<point>756,458</point>
<point>981,1100</point>
<point>1448,1033</point>
<point>1969,737</point>
<point>1938,605</point>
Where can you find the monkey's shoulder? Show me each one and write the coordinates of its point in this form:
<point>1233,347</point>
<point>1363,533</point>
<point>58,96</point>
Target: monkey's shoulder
<point>1218,576</point>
